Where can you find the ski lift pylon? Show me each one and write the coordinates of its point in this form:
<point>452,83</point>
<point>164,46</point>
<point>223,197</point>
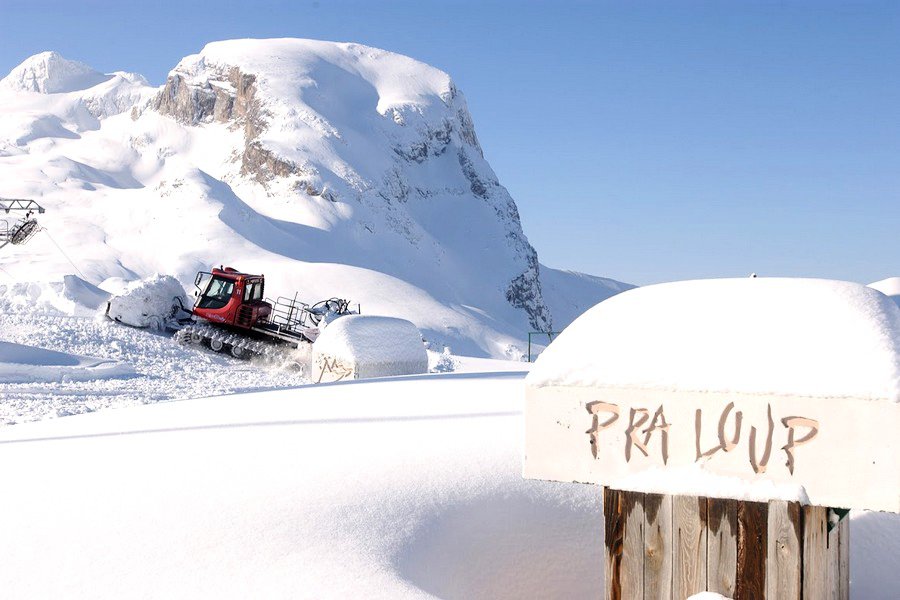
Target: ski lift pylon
<point>21,230</point>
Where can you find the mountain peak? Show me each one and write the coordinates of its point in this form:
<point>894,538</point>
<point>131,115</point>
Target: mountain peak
<point>50,73</point>
<point>290,66</point>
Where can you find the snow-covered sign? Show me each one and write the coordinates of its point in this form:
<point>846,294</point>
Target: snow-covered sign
<point>363,346</point>
<point>754,389</point>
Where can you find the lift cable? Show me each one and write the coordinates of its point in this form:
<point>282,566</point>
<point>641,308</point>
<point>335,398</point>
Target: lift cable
<point>63,252</point>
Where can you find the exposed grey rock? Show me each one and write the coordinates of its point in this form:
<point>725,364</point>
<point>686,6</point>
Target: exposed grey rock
<point>525,292</point>
<point>227,96</point>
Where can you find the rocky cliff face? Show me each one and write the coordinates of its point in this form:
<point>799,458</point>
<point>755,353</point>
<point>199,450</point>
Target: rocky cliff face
<point>343,122</point>
<point>225,95</point>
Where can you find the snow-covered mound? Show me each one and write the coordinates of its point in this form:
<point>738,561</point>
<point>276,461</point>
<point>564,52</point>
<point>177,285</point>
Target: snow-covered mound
<point>72,296</point>
<point>334,169</point>
<point>148,302</point>
<point>85,294</point>
<point>50,73</point>
<point>362,346</point>
<point>805,337</point>
<point>890,287</point>
<point>27,364</point>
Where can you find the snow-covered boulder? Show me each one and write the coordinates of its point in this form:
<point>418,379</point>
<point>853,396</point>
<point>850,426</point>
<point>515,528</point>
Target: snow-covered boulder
<point>148,302</point>
<point>363,346</point>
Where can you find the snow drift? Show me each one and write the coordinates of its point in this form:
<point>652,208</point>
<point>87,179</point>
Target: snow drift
<point>378,489</point>
<point>72,296</point>
<point>27,364</point>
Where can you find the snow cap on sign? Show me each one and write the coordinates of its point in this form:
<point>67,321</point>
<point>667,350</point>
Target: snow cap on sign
<point>783,336</point>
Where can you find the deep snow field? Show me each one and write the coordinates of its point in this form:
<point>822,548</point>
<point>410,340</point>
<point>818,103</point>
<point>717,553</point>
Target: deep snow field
<point>400,488</point>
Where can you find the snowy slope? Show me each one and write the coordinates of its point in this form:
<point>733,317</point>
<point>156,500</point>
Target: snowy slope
<point>406,488</point>
<point>569,294</point>
<point>335,169</point>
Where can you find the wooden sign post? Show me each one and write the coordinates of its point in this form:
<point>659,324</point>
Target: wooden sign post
<point>666,546</point>
<point>743,493</point>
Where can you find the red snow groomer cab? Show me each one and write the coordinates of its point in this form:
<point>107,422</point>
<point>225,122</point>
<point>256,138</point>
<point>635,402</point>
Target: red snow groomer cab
<point>232,315</point>
<point>232,298</point>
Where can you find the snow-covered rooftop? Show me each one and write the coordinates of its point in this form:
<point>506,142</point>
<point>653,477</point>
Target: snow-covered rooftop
<point>804,337</point>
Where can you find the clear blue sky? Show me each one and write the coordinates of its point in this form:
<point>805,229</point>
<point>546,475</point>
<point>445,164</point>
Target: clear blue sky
<point>645,141</point>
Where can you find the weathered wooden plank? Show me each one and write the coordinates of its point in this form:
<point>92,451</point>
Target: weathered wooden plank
<point>658,547</point>
<point>815,546</point>
<point>844,569</point>
<point>721,546</point>
<point>632,568</point>
<point>623,514</point>
<point>783,560</point>
<point>614,535</point>
<point>689,518</point>
<point>837,558</point>
<point>832,573</point>
<point>751,551</point>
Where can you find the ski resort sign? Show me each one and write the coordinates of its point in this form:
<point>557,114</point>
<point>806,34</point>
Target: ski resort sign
<point>822,451</point>
<point>593,417</point>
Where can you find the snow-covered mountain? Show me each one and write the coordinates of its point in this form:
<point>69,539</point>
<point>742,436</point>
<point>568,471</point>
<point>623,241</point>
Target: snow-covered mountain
<point>335,169</point>
<point>50,73</point>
